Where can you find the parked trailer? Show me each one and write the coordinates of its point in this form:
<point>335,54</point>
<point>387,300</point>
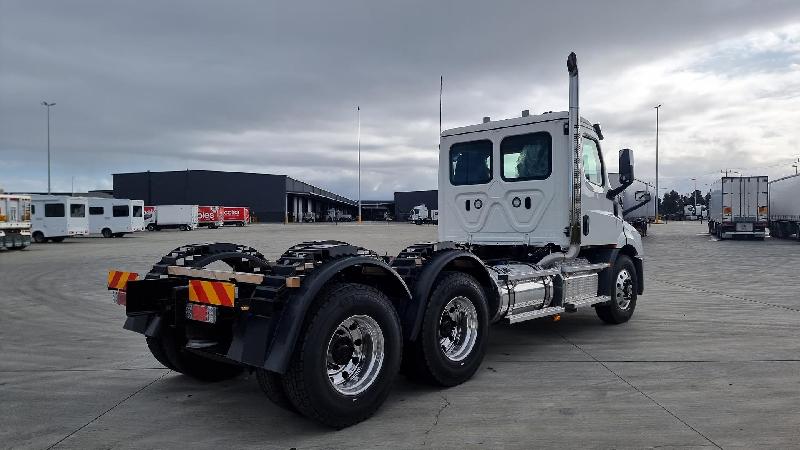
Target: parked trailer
<point>420,214</point>
<point>114,217</point>
<point>210,216</point>
<point>236,215</point>
<point>739,207</point>
<point>182,217</point>
<point>328,325</point>
<point>15,221</point>
<point>56,217</point>
<point>784,207</point>
<point>638,209</point>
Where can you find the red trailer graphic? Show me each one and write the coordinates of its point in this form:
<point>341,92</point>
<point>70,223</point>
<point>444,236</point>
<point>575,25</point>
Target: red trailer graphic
<point>236,215</point>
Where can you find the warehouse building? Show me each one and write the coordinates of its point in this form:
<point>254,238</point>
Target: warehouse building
<point>404,201</point>
<point>271,198</point>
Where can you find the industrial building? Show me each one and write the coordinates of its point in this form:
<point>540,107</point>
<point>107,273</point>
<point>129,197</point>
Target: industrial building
<point>271,198</point>
<point>404,201</point>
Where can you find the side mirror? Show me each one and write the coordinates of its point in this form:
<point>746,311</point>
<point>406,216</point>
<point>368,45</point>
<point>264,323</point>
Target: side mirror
<point>626,166</point>
<point>625,172</point>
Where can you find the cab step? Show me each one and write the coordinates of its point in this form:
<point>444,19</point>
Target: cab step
<point>573,306</point>
<point>535,314</point>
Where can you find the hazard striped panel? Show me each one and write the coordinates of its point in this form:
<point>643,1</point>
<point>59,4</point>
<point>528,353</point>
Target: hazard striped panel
<point>211,292</point>
<point>119,280</point>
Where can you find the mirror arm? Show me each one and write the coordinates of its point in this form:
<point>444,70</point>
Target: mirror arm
<point>616,191</point>
<point>634,208</point>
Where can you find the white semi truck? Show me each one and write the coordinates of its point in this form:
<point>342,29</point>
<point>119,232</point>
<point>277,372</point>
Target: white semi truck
<point>181,217</point>
<point>529,229</point>
<point>638,209</point>
<point>15,221</point>
<point>115,217</point>
<point>57,217</point>
<point>739,207</point>
<point>784,207</point>
<point>420,214</point>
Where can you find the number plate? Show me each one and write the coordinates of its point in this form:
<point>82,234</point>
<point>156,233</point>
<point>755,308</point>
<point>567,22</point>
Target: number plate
<point>744,227</point>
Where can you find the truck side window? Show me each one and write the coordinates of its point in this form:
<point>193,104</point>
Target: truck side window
<point>96,210</point>
<point>120,211</point>
<point>77,210</point>
<point>137,211</point>
<point>33,209</point>
<point>471,162</point>
<point>527,157</point>
<point>592,163</point>
<point>54,210</point>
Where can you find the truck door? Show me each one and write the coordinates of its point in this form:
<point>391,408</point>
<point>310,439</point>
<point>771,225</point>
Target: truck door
<point>600,224</point>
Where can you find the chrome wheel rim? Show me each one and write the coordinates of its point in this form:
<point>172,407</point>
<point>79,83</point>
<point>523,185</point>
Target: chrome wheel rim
<point>624,289</point>
<point>355,355</point>
<point>458,329</point>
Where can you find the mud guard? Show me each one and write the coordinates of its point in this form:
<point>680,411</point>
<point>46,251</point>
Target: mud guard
<point>293,315</point>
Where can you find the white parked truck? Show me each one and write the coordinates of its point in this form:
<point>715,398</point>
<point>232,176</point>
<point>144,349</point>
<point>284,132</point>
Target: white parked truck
<point>182,217</point>
<point>528,230</point>
<point>739,207</point>
<point>784,207</point>
<point>335,215</point>
<point>57,217</point>
<point>115,217</point>
<point>15,221</point>
<point>421,214</point>
<point>638,209</point>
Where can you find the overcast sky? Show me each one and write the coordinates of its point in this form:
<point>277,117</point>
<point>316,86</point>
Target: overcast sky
<point>273,87</point>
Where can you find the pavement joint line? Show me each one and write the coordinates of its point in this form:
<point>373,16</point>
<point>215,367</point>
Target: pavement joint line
<point>737,297</point>
<point>641,392</point>
<point>634,361</point>
<point>157,379</point>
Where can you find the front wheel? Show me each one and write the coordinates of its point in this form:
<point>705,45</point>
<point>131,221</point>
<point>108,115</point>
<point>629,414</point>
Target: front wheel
<point>452,341</point>
<point>623,293</point>
<point>350,351</point>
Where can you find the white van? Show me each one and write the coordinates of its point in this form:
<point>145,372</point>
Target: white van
<point>114,217</point>
<point>55,217</point>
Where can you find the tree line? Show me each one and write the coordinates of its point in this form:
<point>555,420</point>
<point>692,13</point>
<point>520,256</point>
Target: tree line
<point>673,202</point>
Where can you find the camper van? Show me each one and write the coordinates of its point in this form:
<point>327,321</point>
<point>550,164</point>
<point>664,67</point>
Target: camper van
<point>115,217</point>
<point>55,217</point>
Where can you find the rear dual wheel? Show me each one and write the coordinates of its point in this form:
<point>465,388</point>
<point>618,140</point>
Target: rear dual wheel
<point>346,360</point>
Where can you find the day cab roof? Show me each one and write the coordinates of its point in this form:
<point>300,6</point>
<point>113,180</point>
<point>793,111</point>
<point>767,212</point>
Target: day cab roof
<point>513,122</point>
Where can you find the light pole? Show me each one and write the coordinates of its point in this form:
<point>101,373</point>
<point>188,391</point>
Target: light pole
<point>358,108</point>
<point>658,219</point>
<point>694,194</point>
<point>48,105</point>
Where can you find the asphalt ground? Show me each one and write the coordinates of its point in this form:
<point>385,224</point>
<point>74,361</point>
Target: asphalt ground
<point>711,358</point>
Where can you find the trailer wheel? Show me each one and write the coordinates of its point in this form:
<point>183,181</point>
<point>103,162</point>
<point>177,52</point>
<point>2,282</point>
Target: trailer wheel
<point>272,385</point>
<point>167,350</point>
<point>107,233</point>
<point>151,227</point>
<point>452,341</point>
<point>623,293</point>
<point>349,354</point>
<point>38,237</point>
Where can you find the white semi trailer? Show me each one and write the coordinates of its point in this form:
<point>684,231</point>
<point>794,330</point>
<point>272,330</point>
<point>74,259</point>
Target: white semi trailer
<point>57,217</point>
<point>739,207</point>
<point>529,229</point>
<point>784,207</point>
<point>15,221</point>
<point>638,209</point>
<point>115,217</point>
<point>182,217</point>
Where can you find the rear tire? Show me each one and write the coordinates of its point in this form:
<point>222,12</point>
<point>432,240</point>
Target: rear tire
<point>167,351</point>
<point>272,385</point>
<point>358,329</point>
<point>623,293</point>
<point>151,227</point>
<point>451,344</point>
<point>107,233</point>
<point>38,237</point>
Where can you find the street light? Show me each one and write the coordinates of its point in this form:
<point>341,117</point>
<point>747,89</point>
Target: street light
<point>48,105</point>
<point>657,109</point>
<point>359,163</point>
<point>694,194</point>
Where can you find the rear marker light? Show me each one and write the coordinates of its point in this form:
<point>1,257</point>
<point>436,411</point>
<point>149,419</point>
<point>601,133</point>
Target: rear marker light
<point>119,297</point>
<point>201,313</point>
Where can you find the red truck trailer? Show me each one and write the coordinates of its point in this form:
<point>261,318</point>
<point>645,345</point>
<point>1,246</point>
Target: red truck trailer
<point>209,216</point>
<point>236,215</point>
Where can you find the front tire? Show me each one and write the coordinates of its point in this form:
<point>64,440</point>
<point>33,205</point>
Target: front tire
<point>623,293</point>
<point>344,365</point>
<point>452,341</point>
